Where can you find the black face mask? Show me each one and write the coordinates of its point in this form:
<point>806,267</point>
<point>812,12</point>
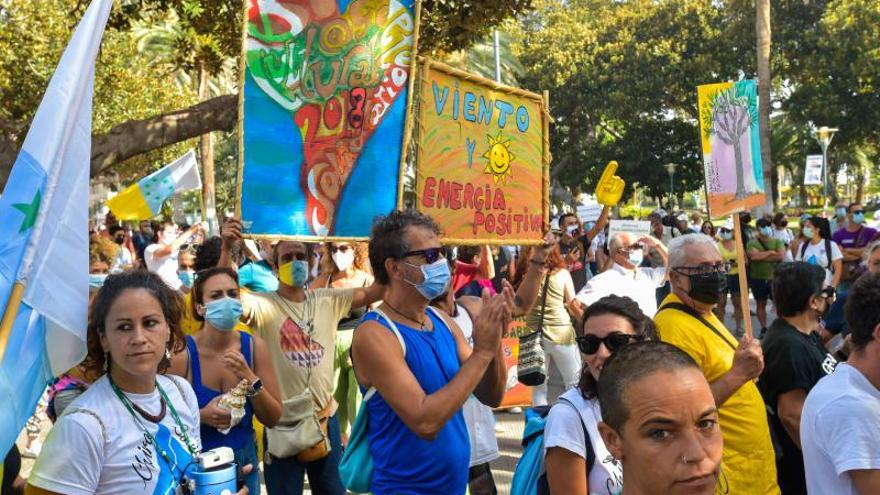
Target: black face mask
<point>119,240</point>
<point>707,288</point>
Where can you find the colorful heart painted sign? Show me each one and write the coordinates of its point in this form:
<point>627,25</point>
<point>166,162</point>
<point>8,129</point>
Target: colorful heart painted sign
<point>323,113</point>
<point>482,162</point>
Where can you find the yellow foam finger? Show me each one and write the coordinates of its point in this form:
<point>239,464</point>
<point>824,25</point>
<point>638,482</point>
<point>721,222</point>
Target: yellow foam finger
<point>609,172</point>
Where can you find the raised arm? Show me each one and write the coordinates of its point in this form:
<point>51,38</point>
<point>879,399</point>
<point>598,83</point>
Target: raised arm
<point>366,296</point>
<point>487,266</point>
<point>231,234</point>
<point>601,222</point>
<point>533,281</point>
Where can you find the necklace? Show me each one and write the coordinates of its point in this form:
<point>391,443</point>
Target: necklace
<point>130,406</point>
<point>149,417</point>
<point>421,323</point>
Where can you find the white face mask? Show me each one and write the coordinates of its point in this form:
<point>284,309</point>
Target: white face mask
<point>343,259</point>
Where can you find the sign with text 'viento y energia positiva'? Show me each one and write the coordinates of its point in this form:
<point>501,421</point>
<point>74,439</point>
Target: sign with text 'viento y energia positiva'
<point>482,158</point>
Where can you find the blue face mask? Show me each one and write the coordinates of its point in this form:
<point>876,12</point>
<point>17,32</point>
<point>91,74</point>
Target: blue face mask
<point>766,231</point>
<point>636,256</point>
<point>437,278</point>
<point>96,280</point>
<point>726,236</point>
<point>808,232</point>
<point>841,212</point>
<point>859,217</point>
<point>187,277</point>
<point>223,314</point>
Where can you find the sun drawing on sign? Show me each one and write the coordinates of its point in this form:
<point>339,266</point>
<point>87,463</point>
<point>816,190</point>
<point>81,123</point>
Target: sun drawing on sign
<point>499,157</point>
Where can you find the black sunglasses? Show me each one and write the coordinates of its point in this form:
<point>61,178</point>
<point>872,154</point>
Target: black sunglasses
<point>431,255</point>
<point>335,249</point>
<point>857,212</point>
<point>589,344</point>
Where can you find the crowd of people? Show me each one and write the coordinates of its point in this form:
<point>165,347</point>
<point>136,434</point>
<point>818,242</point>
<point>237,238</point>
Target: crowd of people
<point>300,357</point>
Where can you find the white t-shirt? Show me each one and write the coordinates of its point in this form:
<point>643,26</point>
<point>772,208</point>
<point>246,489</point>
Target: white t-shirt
<point>97,447</point>
<point>163,266</point>
<point>122,260</point>
<point>815,255</point>
<point>478,417</point>
<point>839,431</point>
<point>640,285</point>
<point>785,235</point>
<point>565,429</point>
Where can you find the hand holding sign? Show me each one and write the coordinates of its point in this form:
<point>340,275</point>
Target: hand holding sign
<point>610,187</point>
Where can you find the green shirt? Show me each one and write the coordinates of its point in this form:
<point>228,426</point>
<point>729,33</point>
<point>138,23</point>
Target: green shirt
<point>763,270</point>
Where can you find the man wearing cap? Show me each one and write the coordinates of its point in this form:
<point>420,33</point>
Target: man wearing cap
<point>681,221</point>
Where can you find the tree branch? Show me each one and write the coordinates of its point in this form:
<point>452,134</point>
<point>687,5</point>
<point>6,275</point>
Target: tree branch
<point>136,137</point>
<point>140,136</point>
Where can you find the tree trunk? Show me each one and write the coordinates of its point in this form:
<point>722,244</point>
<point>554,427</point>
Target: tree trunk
<point>740,173</point>
<point>206,153</point>
<point>136,137</point>
<point>762,29</point>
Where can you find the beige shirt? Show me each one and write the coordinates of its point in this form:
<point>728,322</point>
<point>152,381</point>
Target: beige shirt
<point>557,323</point>
<point>301,338</point>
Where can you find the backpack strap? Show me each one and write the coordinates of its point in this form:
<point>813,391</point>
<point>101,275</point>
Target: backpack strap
<point>828,255</point>
<point>690,311</point>
<point>391,326</point>
<point>588,445</point>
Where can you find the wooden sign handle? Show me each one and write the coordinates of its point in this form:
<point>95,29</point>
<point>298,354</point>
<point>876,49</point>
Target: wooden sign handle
<point>743,280</point>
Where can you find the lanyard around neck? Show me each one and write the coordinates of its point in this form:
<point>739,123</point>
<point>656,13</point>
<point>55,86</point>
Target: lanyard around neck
<point>183,428</point>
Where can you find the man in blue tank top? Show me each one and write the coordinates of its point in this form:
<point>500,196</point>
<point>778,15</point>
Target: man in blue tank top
<point>423,370</point>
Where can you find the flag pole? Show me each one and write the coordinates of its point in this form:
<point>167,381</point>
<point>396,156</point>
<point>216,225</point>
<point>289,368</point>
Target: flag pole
<point>741,268</point>
<point>9,315</point>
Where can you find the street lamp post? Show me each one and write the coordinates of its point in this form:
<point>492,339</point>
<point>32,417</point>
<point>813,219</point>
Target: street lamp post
<point>823,135</point>
<point>670,168</point>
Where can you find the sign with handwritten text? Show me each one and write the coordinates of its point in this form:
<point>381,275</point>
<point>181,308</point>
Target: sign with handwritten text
<point>482,162</point>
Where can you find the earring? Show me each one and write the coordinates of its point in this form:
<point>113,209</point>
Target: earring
<point>106,366</point>
<point>168,353</point>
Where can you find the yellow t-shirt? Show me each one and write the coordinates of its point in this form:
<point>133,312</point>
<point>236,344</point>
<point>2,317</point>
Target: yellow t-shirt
<point>294,349</point>
<point>189,325</point>
<point>730,257</point>
<point>748,460</point>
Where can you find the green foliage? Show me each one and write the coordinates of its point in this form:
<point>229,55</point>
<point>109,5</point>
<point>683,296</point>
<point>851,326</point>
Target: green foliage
<point>32,37</point>
<point>622,78</point>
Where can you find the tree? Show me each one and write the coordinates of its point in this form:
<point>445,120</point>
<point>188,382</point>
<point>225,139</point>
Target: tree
<point>762,30</point>
<point>33,34</point>
<point>614,69</point>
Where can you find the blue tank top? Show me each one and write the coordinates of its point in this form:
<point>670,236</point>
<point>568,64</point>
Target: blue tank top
<point>243,432</point>
<point>403,463</point>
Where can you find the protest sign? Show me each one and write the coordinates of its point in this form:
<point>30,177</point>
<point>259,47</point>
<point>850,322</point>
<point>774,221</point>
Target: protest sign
<point>813,172</point>
<point>483,158</point>
<point>323,112</point>
<point>731,146</point>
<point>638,228</point>
<point>589,213</point>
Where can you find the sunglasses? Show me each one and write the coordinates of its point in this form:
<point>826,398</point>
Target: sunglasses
<point>431,255</point>
<point>859,212</point>
<point>633,247</point>
<point>722,268</point>
<point>589,344</point>
<point>336,249</point>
